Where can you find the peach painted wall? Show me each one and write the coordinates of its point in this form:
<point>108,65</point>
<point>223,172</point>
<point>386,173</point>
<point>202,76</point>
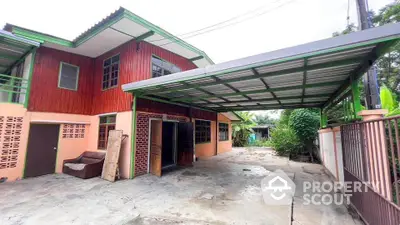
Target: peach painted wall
<point>15,110</point>
<point>225,146</point>
<point>68,148</point>
<point>204,150</point>
<point>123,122</point>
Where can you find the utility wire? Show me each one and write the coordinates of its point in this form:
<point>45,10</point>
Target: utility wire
<point>231,24</point>
<point>219,23</point>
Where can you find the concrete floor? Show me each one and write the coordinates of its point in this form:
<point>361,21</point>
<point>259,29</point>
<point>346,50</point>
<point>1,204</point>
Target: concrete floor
<point>222,190</point>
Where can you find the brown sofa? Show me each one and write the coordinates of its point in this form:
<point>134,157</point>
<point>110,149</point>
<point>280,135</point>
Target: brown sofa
<point>87,165</point>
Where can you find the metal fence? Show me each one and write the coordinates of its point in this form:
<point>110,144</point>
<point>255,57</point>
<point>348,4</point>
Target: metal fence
<point>371,151</point>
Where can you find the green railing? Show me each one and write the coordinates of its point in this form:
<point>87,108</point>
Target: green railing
<point>13,89</point>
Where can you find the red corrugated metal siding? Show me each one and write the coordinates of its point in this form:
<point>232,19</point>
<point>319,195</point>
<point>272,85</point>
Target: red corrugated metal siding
<point>45,95</point>
<point>134,66</point>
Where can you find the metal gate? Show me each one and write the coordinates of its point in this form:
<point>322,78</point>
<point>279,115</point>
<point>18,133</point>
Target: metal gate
<point>371,151</point>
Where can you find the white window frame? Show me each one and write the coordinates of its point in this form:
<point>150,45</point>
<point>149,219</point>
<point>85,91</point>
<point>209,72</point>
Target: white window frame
<point>77,76</point>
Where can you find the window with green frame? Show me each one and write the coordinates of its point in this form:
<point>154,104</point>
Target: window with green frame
<point>161,67</point>
<point>223,131</point>
<point>110,72</point>
<point>107,123</point>
<point>68,76</point>
<point>203,131</point>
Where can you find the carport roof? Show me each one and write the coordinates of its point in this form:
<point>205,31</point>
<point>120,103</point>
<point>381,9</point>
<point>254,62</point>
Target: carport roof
<point>309,75</point>
<point>12,49</point>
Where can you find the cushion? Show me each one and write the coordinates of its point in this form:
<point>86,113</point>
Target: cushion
<point>75,166</point>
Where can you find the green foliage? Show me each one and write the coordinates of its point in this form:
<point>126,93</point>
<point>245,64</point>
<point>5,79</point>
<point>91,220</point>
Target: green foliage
<point>305,124</point>
<point>285,142</point>
<point>388,14</point>
<point>284,118</point>
<point>349,29</point>
<point>263,120</point>
<point>388,65</point>
<point>263,143</point>
<point>387,100</point>
<point>242,130</point>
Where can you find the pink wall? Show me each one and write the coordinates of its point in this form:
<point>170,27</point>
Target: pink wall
<point>13,151</point>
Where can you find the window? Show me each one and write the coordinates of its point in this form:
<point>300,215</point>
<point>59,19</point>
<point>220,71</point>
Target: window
<point>203,131</point>
<point>223,131</point>
<point>107,123</point>
<point>162,68</point>
<point>68,76</point>
<point>110,72</point>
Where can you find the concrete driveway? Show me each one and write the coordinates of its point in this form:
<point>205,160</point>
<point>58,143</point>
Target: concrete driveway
<point>224,189</point>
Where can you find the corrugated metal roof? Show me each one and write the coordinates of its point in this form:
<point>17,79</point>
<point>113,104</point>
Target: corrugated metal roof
<point>309,75</point>
<point>12,48</point>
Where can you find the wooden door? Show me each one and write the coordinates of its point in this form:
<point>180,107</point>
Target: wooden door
<point>156,147</point>
<point>42,149</point>
<point>185,144</point>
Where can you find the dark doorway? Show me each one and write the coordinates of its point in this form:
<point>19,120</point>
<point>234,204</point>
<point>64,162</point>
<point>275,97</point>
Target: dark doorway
<point>168,144</point>
<point>185,144</point>
<point>42,149</point>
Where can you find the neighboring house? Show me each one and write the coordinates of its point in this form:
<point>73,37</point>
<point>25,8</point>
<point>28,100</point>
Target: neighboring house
<point>262,131</point>
<point>69,97</point>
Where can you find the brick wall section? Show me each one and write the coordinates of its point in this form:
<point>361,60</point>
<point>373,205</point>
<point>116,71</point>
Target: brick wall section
<point>142,139</point>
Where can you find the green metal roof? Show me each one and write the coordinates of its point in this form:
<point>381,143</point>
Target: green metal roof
<point>12,49</point>
<point>122,21</point>
<point>310,75</point>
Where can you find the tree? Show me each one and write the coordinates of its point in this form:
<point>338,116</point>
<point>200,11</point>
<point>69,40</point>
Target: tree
<point>241,131</point>
<point>349,29</point>
<point>389,64</point>
<point>305,124</point>
<point>264,120</point>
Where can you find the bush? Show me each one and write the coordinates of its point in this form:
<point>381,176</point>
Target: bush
<point>285,142</point>
<point>262,143</point>
<point>305,124</point>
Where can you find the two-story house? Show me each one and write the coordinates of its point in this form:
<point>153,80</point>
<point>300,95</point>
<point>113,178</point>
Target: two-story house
<point>59,98</point>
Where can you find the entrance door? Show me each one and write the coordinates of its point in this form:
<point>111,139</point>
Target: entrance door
<point>42,149</point>
<point>156,147</point>
<point>168,144</point>
<point>185,144</point>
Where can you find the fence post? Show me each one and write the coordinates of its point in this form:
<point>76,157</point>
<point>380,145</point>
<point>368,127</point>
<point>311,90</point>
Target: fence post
<point>378,148</point>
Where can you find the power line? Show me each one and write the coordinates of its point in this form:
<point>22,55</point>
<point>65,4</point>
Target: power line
<point>220,23</point>
<point>231,24</point>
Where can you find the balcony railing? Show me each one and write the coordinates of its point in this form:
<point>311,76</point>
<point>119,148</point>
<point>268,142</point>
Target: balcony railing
<point>13,89</point>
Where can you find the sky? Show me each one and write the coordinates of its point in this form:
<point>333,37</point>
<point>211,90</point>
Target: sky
<point>282,23</point>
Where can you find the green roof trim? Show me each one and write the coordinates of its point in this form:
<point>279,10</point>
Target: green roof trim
<point>113,18</point>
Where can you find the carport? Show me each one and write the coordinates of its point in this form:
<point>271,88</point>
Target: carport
<point>318,74</point>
